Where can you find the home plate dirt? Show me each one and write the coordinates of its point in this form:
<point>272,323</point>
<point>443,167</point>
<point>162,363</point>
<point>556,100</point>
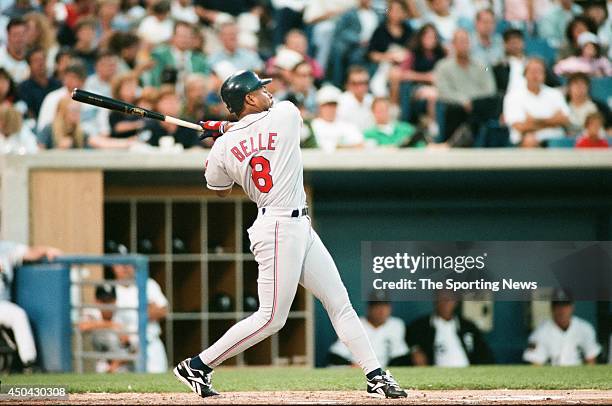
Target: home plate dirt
<point>438,397</point>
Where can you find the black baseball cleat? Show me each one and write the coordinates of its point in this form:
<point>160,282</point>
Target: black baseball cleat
<point>385,386</point>
<point>197,380</point>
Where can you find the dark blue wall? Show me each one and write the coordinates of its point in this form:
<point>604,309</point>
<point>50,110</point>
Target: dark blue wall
<point>452,205</point>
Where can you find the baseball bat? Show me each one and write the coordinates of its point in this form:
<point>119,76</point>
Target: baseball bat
<point>84,96</point>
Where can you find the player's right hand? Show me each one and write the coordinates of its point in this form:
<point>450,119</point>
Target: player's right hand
<point>213,129</point>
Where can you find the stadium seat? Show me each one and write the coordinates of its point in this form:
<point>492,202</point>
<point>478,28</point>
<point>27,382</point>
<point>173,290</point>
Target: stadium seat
<point>539,47</point>
<point>562,142</point>
<point>601,89</point>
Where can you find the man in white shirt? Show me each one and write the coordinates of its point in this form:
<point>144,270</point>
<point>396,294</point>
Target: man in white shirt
<point>74,77</point>
<point>355,104</point>
<point>12,316</point>
<point>157,27</point>
<point>563,340</point>
<point>446,339</point>
<point>329,130</point>
<point>127,296</point>
<point>13,54</point>
<point>241,58</point>
<point>535,112</point>
<point>386,333</point>
<point>94,120</point>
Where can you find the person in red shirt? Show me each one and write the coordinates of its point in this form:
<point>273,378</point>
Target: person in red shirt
<point>590,138</point>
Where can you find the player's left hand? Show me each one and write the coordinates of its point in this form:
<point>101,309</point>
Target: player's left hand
<point>213,129</point>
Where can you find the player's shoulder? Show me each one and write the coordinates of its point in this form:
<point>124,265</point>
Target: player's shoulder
<point>581,324</point>
<point>285,107</point>
<point>395,323</point>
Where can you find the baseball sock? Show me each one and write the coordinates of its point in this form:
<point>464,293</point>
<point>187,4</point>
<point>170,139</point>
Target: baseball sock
<point>197,363</point>
<point>372,374</point>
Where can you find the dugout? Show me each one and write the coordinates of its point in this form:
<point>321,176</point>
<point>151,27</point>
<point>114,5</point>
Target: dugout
<point>76,200</point>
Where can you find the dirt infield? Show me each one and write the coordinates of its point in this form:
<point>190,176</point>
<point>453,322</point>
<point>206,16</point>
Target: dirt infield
<point>440,397</point>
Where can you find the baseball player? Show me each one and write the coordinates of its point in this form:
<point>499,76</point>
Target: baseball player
<point>261,153</point>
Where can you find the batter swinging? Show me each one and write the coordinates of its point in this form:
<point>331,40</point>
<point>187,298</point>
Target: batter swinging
<point>261,152</point>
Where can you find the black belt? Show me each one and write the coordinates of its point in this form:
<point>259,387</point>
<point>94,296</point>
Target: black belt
<point>294,213</point>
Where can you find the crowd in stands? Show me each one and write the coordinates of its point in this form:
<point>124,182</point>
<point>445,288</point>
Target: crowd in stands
<point>364,73</point>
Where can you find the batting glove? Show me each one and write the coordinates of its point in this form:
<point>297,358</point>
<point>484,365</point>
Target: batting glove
<point>213,129</point>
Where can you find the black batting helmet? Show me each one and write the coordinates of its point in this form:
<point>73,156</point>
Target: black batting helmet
<point>239,85</point>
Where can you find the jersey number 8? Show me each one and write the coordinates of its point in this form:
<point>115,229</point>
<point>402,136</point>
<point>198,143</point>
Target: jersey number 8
<point>260,173</point>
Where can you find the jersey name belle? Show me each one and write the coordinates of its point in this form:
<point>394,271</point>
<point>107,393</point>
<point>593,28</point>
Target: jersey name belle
<point>260,142</point>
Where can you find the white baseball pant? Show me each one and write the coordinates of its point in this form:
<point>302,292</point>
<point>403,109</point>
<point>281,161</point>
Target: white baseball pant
<point>289,252</point>
<point>15,318</point>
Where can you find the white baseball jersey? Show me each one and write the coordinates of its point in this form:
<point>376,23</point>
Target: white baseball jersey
<point>261,153</point>
<point>387,341</point>
<point>548,343</point>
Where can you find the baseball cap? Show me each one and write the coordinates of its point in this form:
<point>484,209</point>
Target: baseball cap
<point>378,297</point>
<point>287,59</point>
<point>561,296</point>
<point>328,94</point>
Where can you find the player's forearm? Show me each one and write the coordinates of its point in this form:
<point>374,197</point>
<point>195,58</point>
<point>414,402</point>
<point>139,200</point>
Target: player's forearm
<point>157,313</point>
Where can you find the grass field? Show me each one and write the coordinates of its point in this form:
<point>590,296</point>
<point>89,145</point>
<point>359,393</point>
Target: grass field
<point>302,379</point>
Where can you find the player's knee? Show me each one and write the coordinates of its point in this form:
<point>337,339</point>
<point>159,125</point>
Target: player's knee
<point>339,306</point>
<point>277,323</point>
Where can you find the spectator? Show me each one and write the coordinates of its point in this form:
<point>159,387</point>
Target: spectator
<point>445,339</point>
<point>123,128</point>
<point>85,47</point>
<point>444,19</point>
<point>581,105</point>
<point>589,59</point>
<point>598,13</point>
<point>13,53</point>
<point>106,332</point>
<point>131,13</point>
<point>552,25</point>
<point>388,132</point>
<point>355,104</point>
<point>386,333</point>
<point>11,315</point>
<point>418,69</point>
<point>127,297</point>
<point>577,26</point>
<point>41,34</point>
<point>128,48</point>
<point>15,137</point>
<point>296,41</point>
<point>183,10</point>
<point>8,92</point>
<point>302,90</point>
<point>391,36</point>
<point>193,108</point>
<point>63,59</point>
<point>461,82</point>
<point>535,112</point>
<point>34,89</point>
<point>322,16</point>
<point>329,131</point>
<point>215,108</point>
<point>74,76</point>
<point>563,340</point>
<point>241,58</point>
<point>65,131</point>
<point>287,15</point>
<point>177,56</point>
<point>592,135</point>
<point>169,103</point>
<point>523,14</point>
<point>105,70</point>
<point>351,39</point>
<point>509,73</point>
<point>487,45</point>
<point>157,28</point>
<point>19,8</point>
<point>108,23</point>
